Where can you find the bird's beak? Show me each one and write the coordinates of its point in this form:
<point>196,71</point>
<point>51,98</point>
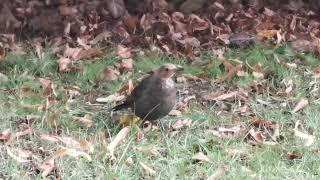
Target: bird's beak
<point>179,68</point>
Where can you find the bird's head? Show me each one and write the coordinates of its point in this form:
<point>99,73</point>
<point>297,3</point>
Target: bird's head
<point>168,70</point>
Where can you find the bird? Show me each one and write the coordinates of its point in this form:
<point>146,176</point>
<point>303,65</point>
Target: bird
<point>155,96</point>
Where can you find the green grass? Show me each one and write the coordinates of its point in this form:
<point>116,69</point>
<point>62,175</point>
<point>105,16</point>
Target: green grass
<point>21,96</point>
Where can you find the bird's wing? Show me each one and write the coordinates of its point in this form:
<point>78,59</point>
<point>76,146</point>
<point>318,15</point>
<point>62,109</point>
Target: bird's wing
<point>137,93</point>
<point>139,90</point>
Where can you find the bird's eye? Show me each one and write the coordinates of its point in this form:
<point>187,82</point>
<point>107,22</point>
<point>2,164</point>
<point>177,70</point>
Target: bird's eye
<point>167,69</point>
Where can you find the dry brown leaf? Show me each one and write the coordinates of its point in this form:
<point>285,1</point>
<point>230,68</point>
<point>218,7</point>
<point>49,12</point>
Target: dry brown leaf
<point>65,64</point>
<point>201,157</point>
<point>293,155</point>
<point>21,156</point>
<point>147,169</point>
<point>180,124</point>
<point>232,132</point>
<point>2,53</point>
<point>124,52</point>
<point>109,74</point>
<point>71,52</point>
<point>217,96</point>
<point>129,161</point>
<point>70,142</point>
<point>86,120</point>
<point>89,53</point>
<point>114,143</point>
<point>126,64</point>
<point>267,34</point>
<point>257,136</point>
<point>69,152</point>
<point>219,173</point>
<point>101,37</point>
<point>232,71</point>
<point>116,97</point>
<point>5,135</point>
<point>308,139</point>
<point>303,102</point>
<point>47,167</point>
<point>39,51</point>
<point>175,112</point>
<point>47,86</point>
<point>83,43</point>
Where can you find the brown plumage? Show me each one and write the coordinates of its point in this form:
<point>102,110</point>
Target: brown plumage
<point>155,96</point>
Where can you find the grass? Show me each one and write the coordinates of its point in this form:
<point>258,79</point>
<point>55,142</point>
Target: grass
<point>167,152</point>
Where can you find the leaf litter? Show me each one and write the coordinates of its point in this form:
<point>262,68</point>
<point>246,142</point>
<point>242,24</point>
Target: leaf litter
<point>175,34</point>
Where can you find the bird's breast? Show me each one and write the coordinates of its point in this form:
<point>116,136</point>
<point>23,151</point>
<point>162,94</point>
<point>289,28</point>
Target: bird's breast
<point>168,84</point>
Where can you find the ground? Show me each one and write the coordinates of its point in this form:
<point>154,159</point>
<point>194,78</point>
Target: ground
<point>168,152</point>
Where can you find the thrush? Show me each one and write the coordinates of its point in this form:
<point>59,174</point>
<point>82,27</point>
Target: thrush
<point>155,96</point>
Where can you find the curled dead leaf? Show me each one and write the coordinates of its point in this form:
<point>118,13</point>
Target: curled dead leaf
<point>88,53</point>
<point>86,120</point>
<point>65,64</point>
<point>126,64</point>
<point>308,139</point>
<point>219,173</point>
<point>19,155</point>
<point>303,102</point>
<point>147,169</point>
<point>47,167</point>
<point>5,135</point>
<point>114,143</point>
<point>201,157</point>
<point>182,124</point>
<point>124,52</point>
<point>109,74</point>
<point>116,97</point>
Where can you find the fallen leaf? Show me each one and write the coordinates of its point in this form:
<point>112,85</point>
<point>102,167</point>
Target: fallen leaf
<point>182,124</point>
<point>47,86</point>
<point>201,157</point>
<point>21,156</point>
<point>303,102</point>
<point>69,142</point>
<point>257,136</point>
<point>5,135</point>
<point>232,71</point>
<point>39,51</point>
<point>124,52</point>
<point>88,53</point>
<point>129,161</point>
<point>116,97</point>
<point>65,64</point>
<point>308,139</point>
<point>175,112</point>
<point>147,169</point>
<point>86,120</point>
<point>114,143</point>
<point>69,152</point>
<point>109,74</point>
<point>219,173</point>
<point>293,155</point>
<point>101,37</point>
<point>126,64</point>
<point>47,167</point>
<point>71,52</point>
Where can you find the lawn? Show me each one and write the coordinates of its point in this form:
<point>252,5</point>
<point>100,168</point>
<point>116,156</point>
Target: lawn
<point>165,152</point>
